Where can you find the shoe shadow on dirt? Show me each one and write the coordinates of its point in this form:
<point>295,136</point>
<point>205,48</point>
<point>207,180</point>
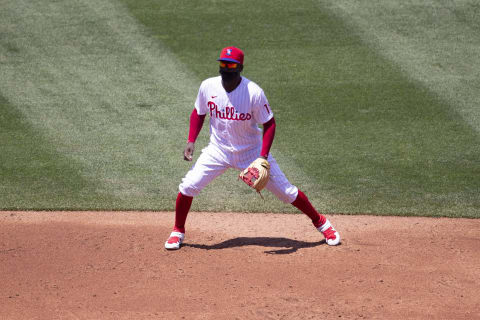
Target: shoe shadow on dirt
<point>288,245</point>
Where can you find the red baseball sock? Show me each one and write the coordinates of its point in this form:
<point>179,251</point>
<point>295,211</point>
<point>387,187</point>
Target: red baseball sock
<point>182,207</point>
<point>304,205</point>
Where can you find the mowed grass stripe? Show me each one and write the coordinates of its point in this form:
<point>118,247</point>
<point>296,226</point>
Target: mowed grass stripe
<point>432,45</point>
<point>33,174</point>
<point>103,95</point>
<point>435,42</point>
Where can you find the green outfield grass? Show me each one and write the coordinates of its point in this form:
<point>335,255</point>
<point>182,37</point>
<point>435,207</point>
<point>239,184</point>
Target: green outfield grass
<point>376,103</point>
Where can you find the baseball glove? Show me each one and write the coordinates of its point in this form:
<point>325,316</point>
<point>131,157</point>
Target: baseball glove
<point>257,174</point>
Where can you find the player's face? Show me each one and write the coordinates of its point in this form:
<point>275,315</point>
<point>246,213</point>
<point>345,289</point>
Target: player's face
<point>230,71</point>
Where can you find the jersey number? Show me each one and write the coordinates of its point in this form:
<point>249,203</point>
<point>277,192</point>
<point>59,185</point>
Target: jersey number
<point>266,107</point>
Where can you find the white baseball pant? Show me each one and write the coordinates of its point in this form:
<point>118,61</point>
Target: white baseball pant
<point>213,162</point>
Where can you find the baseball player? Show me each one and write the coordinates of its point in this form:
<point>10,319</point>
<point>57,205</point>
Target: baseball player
<point>236,106</point>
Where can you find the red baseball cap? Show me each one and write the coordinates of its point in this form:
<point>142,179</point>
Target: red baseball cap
<point>231,54</point>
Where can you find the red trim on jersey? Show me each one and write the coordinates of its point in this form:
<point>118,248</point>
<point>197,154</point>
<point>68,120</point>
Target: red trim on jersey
<point>268,135</point>
<point>196,123</point>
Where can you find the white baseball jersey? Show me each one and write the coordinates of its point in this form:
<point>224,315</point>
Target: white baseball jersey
<point>234,116</point>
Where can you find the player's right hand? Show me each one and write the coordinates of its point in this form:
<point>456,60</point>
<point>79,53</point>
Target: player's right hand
<point>188,152</point>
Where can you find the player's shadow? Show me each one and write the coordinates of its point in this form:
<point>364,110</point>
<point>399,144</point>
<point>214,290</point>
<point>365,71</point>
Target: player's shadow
<point>288,245</point>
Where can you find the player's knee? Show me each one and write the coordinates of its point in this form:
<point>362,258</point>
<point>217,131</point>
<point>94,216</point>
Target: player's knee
<point>286,195</point>
<point>188,190</point>
<point>291,194</point>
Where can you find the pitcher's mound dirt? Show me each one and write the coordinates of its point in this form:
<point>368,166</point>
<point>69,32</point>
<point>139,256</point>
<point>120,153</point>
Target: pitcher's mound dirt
<point>112,265</point>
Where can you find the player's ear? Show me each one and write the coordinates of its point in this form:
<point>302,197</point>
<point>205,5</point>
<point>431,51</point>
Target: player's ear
<point>240,68</point>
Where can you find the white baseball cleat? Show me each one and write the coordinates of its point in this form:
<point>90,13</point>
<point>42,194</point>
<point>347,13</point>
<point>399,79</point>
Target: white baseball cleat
<point>332,237</point>
<point>174,241</point>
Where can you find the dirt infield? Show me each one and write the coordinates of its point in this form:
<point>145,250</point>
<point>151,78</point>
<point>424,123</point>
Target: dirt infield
<point>112,265</point>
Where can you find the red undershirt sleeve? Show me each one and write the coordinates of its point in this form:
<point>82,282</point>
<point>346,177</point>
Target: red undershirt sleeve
<point>268,135</point>
<point>196,123</point>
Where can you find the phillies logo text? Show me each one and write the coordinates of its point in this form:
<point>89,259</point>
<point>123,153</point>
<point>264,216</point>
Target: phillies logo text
<point>228,114</point>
